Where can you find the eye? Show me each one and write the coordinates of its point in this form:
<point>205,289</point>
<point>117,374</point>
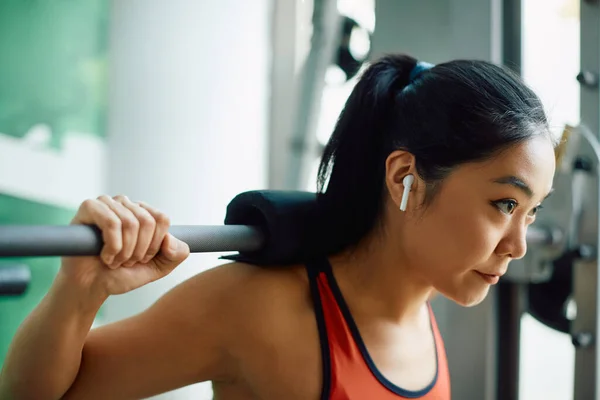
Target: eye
<point>506,206</point>
<point>535,210</point>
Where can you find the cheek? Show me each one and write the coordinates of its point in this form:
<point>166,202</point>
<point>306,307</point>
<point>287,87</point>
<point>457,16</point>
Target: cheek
<point>457,239</point>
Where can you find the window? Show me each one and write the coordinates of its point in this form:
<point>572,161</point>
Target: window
<point>550,57</point>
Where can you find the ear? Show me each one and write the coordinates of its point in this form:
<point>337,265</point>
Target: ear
<point>397,165</point>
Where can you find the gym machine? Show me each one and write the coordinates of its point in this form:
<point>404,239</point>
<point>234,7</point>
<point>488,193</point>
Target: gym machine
<point>557,281</point>
<point>14,279</point>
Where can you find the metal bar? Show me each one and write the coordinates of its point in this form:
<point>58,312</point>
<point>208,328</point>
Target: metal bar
<point>86,240</point>
<point>14,279</point>
<point>584,328</point>
<point>285,27</point>
<point>584,331</point>
<point>510,297</point>
<point>585,273</point>
<point>511,35</point>
<point>303,141</point>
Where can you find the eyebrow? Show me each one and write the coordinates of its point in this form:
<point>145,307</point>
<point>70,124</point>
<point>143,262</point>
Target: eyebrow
<point>519,184</point>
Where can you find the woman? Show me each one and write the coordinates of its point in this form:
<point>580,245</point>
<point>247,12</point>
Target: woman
<point>428,183</point>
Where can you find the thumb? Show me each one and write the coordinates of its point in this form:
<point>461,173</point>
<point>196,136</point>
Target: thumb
<point>172,252</point>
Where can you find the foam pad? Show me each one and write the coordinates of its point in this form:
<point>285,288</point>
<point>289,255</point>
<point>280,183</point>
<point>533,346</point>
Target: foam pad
<point>289,220</point>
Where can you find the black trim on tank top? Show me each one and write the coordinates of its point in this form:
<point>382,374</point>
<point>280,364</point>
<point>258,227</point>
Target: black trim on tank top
<point>312,270</point>
<point>412,394</point>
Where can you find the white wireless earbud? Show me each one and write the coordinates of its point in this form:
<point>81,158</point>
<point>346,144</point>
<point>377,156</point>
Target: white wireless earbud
<point>407,182</point>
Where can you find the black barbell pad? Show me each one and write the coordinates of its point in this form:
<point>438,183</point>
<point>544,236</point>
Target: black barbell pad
<point>289,219</point>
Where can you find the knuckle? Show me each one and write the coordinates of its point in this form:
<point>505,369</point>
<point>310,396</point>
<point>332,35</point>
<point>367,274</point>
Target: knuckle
<point>113,223</point>
<point>104,198</point>
<point>162,219</point>
<point>121,198</point>
<point>146,220</point>
<point>130,223</point>
<point>87,204</point>
<point>114,247</point>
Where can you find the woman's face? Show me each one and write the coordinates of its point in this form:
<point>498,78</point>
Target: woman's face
<point>478,221</point>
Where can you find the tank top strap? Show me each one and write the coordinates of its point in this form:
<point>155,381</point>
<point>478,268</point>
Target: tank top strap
<point>313,269</point>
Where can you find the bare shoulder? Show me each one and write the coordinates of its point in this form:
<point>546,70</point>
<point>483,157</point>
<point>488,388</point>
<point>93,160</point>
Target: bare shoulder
<point>273,337</point>
<point>268,319</point>
<point>259,301</point>
<point>237,283</point>
<point>240,296</point>
<point>245,284</point>
<point>252,295</point>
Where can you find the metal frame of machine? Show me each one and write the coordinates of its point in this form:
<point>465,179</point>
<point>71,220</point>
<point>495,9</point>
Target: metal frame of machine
<point>584,328</point>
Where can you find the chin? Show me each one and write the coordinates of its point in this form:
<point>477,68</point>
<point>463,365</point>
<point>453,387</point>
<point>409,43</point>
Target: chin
<point>467,297</point>
<point>469,302</point>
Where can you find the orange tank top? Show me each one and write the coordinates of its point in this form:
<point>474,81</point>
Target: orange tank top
<point>349,373</point>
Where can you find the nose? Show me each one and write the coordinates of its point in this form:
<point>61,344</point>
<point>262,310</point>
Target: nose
<point>514,242</point>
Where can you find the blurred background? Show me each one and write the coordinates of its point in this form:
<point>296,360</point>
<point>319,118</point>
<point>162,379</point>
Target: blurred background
<point>186,103</point>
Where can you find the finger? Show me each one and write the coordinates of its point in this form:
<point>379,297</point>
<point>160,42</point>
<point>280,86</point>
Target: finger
<point>160,231</point>
<point>129,229</point>
<point>172,253</point>
<point>147,226</point>
<point>95,212</point>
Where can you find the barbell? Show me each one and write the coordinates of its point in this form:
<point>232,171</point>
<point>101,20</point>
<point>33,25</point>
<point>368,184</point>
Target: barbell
<point>264,227</point>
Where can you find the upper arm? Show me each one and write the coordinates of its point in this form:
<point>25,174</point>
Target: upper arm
<point>178,341</point>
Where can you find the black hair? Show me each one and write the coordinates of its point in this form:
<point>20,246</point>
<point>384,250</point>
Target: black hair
<point>454,113</point>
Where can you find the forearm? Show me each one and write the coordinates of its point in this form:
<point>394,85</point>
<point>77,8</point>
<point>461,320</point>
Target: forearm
<point>45,354</point>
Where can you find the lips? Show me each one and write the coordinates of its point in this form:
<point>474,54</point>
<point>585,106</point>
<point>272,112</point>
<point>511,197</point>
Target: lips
<point>490,279</point>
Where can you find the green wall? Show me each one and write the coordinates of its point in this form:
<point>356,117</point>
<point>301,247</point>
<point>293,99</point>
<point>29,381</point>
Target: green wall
<point>53,66</point>
<point>52,73</point>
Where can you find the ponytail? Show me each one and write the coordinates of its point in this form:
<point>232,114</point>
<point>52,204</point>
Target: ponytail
<point>351,174</point>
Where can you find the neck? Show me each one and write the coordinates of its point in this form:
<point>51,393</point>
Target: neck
<point>377,283</point>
